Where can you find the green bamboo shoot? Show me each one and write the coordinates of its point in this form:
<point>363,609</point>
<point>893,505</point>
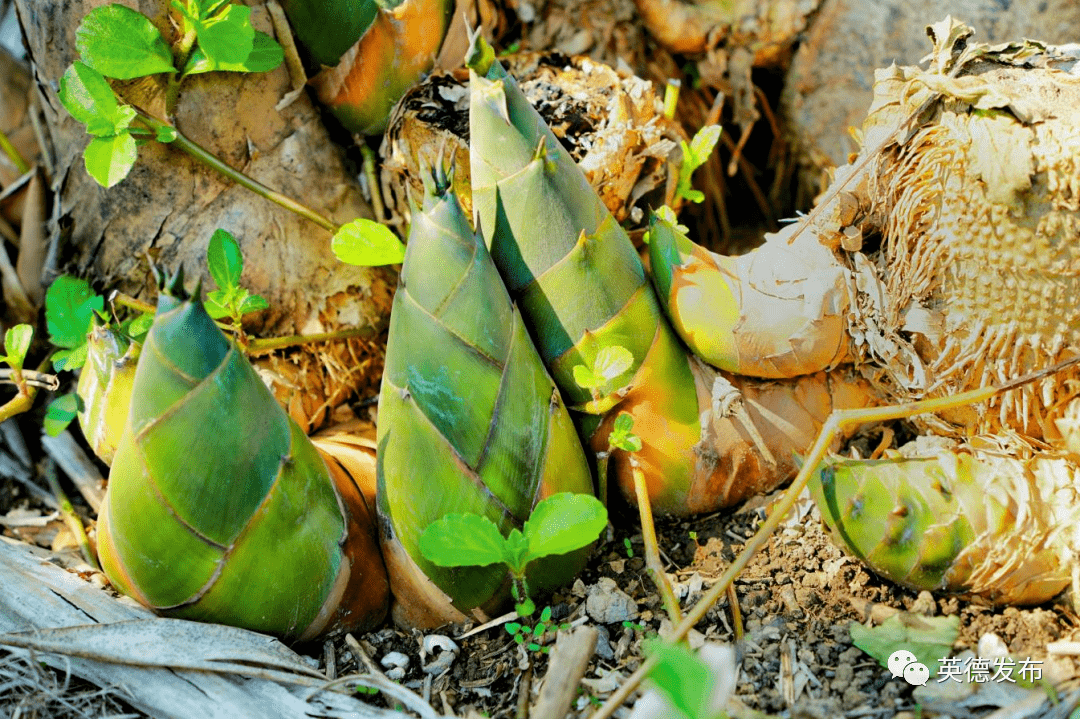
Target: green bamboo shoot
<point>219,508</point>
<point>469,420</point>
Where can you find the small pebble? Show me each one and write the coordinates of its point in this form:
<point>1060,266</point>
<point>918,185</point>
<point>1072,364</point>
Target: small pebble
<point>607,604</point>
<point>603,644</point>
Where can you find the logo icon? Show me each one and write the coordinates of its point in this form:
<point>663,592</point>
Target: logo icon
<point>902,663</point>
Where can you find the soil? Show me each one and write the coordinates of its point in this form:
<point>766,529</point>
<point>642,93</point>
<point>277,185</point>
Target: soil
<point>796,598</point>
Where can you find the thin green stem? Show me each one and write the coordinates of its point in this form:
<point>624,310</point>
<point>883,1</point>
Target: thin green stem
<point>13,154</point>
<point>269,344</point>
<point>71,519</point>
<point>181,54</point>
<point>131,302</point>
<point>202,155</point>
<point>377,205</point>
<point>264,345</point>
<point>602,459</point>
<point>24,398</point>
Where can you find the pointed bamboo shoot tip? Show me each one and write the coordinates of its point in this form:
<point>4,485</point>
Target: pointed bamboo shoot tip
<point>480,55</point>
<point>174,286</point>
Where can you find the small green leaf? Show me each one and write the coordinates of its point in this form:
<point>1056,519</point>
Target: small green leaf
<point>563,523</point>
<point>226,36</point>
<point>462,540</point>
<point>253,303</point>
<point>71,359</point>
<point>88,97</point>
<point>682,677</point>
<point>513,627</point>
<point>139,326</point>
<point>516,551</point>
<point>61,412</point>
<point>110,159</point>
<point>621,436</point>
<point>69,310</point>
<point>930,639</point>
<point>612,361</point>
<point>694,156</point>
<point>694,195</point>
<point>224,259</point>
<point>366,242</point>
<point>703,143</point>
<point>586,378</point>
<point>215,304</point>
<point>545,616</point>
<point>17,344</point>
<point>122,43</point>
<point>266,54</point>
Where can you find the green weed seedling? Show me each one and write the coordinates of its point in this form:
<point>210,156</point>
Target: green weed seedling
<point>609,366</point>
<point>120,43</point>
<point>694,155</point>
<point>229,300</point>
<point>531,637</point>
<point>629,547</point>
<point>560,524</point>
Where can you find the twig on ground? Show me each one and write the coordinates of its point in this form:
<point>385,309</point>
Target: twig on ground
<point>567,665</point>
<point>71,519</point>
<point>79,468</point>
<point>652,549</point>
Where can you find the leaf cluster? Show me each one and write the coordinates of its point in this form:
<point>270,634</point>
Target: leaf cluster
<point>562,523</point>
<point>226,41</point>
<point>694,155</point>
<point>530,637</point>
<point>621,436</point>
<point>226,264</point>
<point>117,42</point>
<point>70,306</point>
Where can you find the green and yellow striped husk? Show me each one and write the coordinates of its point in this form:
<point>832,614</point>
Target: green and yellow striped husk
<point>581,287</point>
<point>327,29</point>
<point>105,384</point>
<point>373,52</point>
<point>219,508</point>
<point>469,420</point>
<point>971,522</point>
